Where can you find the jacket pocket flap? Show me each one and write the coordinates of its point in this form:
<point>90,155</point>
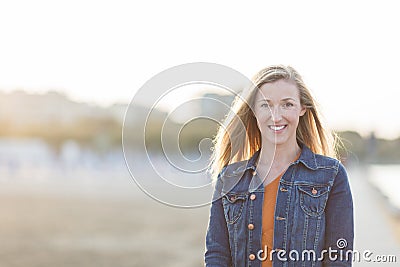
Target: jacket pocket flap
<point>314,190</point>
<point>233,197</point>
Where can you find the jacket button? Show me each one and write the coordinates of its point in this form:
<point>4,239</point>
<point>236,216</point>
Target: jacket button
<point>252,257</point>
<point>250,226</point>
<point>254,173</point>
<point>280,218</point>
<point>283,189</point>
<point>253,196</point>
<point>314,191</point>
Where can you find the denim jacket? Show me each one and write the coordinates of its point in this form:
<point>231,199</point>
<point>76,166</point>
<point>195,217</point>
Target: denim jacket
<point>313,223</point>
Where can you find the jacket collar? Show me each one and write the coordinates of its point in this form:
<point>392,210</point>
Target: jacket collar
<point>307,157</point>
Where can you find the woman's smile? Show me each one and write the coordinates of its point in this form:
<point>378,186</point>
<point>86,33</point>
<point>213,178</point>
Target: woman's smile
<point>277,128</point>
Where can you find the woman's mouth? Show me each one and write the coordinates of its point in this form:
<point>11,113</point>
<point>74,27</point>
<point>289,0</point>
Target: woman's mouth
<point>277,128</point>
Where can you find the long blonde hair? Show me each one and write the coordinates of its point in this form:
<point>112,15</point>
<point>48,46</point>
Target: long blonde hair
<point>239,137</point>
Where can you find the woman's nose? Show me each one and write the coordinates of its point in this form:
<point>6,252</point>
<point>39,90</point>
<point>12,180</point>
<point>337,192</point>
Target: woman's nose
<point>276,114</point>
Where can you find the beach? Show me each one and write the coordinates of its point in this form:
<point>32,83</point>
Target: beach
<point>97,229</point>
<point>102,218</point>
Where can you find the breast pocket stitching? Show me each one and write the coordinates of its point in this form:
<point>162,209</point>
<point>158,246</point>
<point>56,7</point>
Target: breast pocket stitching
<point>233,204</point>
<point>313,198</point>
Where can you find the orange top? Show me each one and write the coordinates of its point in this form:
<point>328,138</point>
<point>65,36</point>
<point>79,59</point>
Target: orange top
<point>268,213</point>
<point>268,210</point>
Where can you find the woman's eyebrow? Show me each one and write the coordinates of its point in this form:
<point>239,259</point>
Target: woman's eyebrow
<point>269,100</point>
<point>288,98</point>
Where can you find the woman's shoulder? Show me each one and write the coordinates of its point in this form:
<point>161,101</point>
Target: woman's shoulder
<point>231,177</point>
<point>234,169</point>
<point>318,161</point>
<point>327,162</point>
<point>238,168</point>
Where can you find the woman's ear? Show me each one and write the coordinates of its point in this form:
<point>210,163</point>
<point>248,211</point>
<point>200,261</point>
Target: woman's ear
<point>303,110</point>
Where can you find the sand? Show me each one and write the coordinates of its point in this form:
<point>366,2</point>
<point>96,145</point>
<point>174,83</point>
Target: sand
<point>50,230</point>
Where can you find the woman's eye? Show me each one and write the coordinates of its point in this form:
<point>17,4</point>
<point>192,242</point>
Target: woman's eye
<point>264,105</point>
<point>289,105</point>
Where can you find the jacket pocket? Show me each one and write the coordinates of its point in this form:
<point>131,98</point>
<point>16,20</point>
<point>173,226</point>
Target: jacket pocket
<point>233,204</point>
<point>313,198</point>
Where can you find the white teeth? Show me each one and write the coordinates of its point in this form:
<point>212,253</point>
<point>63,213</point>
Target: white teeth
<point>277,128</point>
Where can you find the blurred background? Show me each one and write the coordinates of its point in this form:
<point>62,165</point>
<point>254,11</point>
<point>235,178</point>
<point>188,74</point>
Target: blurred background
<point>69,69</point>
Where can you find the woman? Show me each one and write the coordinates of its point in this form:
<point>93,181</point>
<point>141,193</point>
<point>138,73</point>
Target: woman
<point>281,198</point>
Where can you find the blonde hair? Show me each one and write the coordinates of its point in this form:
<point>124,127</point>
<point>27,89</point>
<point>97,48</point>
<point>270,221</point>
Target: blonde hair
<point>239,137</point>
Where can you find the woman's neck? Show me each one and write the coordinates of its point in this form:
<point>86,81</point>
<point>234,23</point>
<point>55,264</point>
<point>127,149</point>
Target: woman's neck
<point>282,154</point>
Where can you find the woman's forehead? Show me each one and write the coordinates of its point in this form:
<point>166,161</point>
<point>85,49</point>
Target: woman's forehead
<point>279,90</point>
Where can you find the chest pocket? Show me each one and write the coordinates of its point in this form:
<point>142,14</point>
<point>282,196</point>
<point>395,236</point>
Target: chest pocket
<point>313,198</point>
<point>233,204</point>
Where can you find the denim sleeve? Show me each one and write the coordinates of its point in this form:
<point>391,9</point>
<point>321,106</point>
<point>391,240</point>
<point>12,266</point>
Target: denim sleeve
<point>218,252</point>
<point>339,221</point>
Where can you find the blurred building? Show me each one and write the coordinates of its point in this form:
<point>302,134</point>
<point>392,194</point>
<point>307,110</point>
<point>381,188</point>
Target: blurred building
<point>216,106</point>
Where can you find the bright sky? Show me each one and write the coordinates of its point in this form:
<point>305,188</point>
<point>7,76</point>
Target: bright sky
<point>103,51</point>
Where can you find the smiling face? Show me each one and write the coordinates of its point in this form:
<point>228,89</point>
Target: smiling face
<point>278,109</point>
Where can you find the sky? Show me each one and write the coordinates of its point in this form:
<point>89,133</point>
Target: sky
<point>102,52</point>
